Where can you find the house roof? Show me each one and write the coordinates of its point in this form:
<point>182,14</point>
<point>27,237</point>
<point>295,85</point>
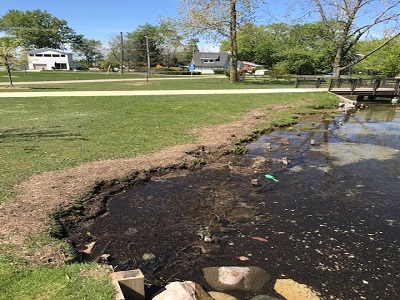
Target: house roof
<point>221,59</point>
<point>41,50</point>
<point>250,63</point>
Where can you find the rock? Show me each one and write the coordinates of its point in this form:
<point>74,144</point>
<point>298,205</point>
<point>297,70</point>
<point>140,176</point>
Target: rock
<point>263,297</point>
<point>223,279</point>
<point>89,248</point>
<point>259,162</point>
<point>291,290</point>
<point>148,256</point>
<point>187,290</point>
<point>221,296</point>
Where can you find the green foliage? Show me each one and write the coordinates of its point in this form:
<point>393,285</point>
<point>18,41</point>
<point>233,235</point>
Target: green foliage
<point>8,54</point>
<point>89,50</point>
<point>239,150</point>
<point>172,72</point>
<point>137,45</point>
<point>384,63</point>
<point>219,71</point>
<point>38,29</point>
<point>289,49</point>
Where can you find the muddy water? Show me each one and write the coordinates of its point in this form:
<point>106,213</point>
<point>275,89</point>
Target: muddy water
<point>332,221</point>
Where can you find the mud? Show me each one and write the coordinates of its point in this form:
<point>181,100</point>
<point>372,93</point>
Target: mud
<point>331,222</point>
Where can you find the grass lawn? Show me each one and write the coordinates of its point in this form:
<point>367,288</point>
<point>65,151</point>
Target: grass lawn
<point>43,134</point>
<point>19,76</point>
<point>138,82</point>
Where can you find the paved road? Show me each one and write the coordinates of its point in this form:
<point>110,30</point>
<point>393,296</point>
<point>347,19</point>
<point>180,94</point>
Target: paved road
<point>154,92</point>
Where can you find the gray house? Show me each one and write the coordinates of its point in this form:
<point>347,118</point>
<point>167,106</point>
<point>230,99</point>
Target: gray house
<point>207,62</point>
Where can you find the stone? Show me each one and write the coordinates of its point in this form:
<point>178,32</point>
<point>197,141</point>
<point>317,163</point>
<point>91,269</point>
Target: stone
<point>221,296</point>
<point>187,290</point>
<point>291,290</point>
<point>148,256</point>
<point>223,279</point>
<point>263,297</point>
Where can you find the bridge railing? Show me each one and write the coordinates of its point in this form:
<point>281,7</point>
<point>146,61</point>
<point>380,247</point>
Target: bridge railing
<point>374,84</point>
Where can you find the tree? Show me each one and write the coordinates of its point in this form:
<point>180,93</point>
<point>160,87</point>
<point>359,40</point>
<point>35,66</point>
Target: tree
<point>385,62</point>
<point>349,20</point>
<point>113,57</point>
<point>90,50</point>
<point>139,38</point>
<point>217,19</point>
<point>8,54</point>
<point>189,48</point>
<point>38,29</point>
<point>298,49</point>
<point>170,43</point>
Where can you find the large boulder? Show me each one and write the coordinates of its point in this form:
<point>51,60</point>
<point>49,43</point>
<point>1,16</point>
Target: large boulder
<point>251,279</point>
<point>187,290</point>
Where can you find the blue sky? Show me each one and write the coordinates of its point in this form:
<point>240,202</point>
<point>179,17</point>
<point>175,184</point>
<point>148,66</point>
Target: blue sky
<point>99,19</point>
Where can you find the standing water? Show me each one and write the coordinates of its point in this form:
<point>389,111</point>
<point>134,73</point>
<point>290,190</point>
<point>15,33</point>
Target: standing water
<point>331,220</point>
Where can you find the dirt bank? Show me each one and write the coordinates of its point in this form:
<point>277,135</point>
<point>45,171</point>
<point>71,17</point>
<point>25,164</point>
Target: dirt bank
<point>45,194</point>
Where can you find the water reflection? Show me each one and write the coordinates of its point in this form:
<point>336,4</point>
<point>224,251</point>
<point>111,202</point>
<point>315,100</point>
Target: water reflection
<point>338,201</point>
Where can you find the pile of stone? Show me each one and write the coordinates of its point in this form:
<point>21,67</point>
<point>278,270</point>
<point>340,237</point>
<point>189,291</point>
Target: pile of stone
<point>227,279</point>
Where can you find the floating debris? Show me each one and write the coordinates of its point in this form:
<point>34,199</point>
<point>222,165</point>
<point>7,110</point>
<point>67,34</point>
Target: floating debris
<point>271,177</point>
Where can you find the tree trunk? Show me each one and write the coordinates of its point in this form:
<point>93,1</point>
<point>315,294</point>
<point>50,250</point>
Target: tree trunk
<point>233,78</point>
<point>336,66</point>
<point>9,73</point>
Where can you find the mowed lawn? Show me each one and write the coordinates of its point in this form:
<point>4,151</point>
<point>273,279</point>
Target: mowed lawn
<point>134,81</point>
<point>43,134</point>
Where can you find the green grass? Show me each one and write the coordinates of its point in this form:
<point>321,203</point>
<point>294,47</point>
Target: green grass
<point>55,133</point>
<point>20,280</point>
<point>197,83</point>
<point>138,82</point>
<point>42,134</point>
<point>66,282</point>
<point>19,76</point>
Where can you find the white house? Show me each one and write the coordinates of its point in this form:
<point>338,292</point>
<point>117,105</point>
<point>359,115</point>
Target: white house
<point>50,59</point>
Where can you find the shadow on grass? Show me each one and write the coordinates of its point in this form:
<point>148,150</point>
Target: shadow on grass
<point>19,135</point>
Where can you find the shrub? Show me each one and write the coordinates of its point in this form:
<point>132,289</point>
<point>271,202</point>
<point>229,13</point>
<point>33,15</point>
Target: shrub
<point>171,72</point>
<point>219,71</point>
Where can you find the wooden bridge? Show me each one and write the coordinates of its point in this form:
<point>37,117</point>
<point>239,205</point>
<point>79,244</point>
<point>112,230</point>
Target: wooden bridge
<point>370,88</point>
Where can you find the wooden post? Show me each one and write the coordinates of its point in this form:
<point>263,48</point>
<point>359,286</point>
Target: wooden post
<point>397,87</point>
<point>353,84</point>
<point>377,83</point>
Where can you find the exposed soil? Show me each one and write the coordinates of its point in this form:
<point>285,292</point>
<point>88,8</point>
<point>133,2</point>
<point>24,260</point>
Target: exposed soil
<point>45,194</point>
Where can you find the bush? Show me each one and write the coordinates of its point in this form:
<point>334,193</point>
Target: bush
<point>219,71</point>
<point>171,72</point>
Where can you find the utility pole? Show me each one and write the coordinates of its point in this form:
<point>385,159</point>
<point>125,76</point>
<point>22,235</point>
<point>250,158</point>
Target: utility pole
<point>148,58</point>
<point>122,53</point>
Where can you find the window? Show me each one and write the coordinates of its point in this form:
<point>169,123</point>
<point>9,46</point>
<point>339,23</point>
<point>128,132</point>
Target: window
<point>47,55</point>
<point>62,55</point>
<point>209,61</point>
<point>39,55</point>
<point>61,66</point>
<point>56,55</point>
<point>31,54</point>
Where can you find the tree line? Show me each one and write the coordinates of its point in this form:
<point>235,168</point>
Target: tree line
<point>340,38</point>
